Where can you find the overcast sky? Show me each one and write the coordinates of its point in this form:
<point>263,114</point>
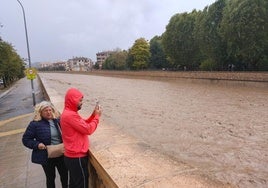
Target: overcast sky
<point>61,29</point>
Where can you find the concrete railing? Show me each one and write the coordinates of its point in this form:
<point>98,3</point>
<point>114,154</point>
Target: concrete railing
<point>119,160</point>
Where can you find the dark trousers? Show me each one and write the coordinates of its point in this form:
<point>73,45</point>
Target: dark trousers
<point>78,169</point>
<point>50,171</point>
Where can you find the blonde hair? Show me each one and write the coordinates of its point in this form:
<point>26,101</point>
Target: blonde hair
<point>41,106</point>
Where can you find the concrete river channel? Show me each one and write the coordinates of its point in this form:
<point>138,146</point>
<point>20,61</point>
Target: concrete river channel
<point>218,127</point>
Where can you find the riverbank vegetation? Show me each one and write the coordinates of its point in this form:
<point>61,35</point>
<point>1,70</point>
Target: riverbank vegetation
<point>227,35</point>
<point>11,65</point>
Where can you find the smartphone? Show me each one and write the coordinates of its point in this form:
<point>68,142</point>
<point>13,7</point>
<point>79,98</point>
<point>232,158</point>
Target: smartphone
<point>98,103</point>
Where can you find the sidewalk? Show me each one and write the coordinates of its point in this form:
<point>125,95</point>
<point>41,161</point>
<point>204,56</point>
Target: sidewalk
<point>16,168</point>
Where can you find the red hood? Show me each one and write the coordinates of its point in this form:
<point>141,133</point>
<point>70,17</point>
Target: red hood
<point>72,98</point>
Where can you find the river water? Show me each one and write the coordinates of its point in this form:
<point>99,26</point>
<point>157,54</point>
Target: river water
<point>218,127</point>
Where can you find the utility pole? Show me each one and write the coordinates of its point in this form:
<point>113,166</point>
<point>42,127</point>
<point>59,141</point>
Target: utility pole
<point>28,50</point>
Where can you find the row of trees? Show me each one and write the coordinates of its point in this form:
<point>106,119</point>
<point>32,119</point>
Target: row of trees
<point>11,65</point>
<point>228,33</point>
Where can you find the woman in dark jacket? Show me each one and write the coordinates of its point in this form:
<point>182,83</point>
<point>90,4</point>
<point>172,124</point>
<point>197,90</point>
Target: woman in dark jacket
<point>42,131</point>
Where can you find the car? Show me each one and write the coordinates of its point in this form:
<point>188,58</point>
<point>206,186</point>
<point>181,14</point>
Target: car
<point>1,82</point>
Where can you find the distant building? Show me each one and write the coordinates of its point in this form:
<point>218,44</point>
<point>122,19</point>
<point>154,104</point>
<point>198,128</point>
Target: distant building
<point>44,65</point>
<point>51,66</point>
<point>102,56</point>
<point>59,64</point>
<point>74,64</point>
<point>79,64</point>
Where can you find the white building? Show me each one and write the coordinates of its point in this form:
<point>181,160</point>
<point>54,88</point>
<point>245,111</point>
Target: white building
<point>79,64</point>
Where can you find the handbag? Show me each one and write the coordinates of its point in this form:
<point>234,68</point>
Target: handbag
<point>54,151</point>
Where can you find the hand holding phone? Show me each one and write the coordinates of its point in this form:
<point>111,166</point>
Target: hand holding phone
<point>98,105</point>
<point>98,109</point>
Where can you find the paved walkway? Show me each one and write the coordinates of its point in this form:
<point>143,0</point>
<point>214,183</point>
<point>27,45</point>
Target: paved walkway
<point>16,168</point>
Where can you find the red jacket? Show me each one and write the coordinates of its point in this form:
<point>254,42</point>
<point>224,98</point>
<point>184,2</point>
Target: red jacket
<point>75,129</point>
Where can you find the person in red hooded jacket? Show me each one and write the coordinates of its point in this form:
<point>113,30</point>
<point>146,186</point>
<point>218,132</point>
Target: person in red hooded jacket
<point>75,131</point>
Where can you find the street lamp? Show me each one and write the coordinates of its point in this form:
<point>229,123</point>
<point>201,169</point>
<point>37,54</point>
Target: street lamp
<point>28,50</point>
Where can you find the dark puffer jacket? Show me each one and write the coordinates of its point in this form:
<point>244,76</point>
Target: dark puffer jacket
<point>38,132</point>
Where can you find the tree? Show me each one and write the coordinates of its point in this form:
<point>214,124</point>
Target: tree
<point>158,58</point>
<point>11,65</point>
<point>208,37</point>
<point>116,61</point>
<point>245,28</point>
<point>179,43</point>
<point>139,55</point>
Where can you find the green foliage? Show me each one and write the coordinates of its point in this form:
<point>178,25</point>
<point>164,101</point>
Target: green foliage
<point>226,32</point>
<point>244,28</point>
<point>11,65</point>
<point>158,59</point>
<point>179,42</point>
<point>263,64</point>
<point>96,66</point>
<point>116,61</point>
<point>207,34</point>
<point>139,55</point>
<point>208,65</point>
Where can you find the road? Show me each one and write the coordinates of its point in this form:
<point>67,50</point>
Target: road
<point>18,99</point>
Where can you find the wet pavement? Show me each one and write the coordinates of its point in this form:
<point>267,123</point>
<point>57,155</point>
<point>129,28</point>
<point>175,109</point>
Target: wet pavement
<point>18,100</point>
<point>16,168</point>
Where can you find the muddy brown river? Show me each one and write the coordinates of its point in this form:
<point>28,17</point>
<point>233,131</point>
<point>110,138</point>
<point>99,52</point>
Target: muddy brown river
<point>220,128</point>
